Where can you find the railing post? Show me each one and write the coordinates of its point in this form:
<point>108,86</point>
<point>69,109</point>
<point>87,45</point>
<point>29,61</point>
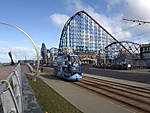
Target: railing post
<point>8,99</point>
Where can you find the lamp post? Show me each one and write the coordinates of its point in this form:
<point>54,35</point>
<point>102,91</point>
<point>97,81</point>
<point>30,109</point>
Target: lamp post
<point>104,60</point>
<point>104,56</point>
<point>38,56</point>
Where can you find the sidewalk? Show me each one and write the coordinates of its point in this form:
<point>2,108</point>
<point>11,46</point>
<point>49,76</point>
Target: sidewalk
<point>85,101</point>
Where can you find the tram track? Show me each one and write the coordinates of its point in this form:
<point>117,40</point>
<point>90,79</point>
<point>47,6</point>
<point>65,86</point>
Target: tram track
<point>134,98</point>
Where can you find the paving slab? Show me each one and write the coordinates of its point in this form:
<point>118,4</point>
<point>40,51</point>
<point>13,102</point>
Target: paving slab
<point>84,100</point>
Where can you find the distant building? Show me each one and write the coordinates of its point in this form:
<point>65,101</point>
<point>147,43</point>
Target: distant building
<point>87,57</point>
<point>145,51</point>
<point>44,53</point>
<point>26,61</point>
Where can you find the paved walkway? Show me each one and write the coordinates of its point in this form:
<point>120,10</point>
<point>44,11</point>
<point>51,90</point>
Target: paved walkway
<point>85,101</point>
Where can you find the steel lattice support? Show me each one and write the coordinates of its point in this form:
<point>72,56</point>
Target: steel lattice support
<point>114,49</point>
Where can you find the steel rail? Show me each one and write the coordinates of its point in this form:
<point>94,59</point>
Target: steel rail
<point>133,100</point>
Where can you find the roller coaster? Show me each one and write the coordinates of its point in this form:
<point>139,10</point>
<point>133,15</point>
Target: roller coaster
<point>84,33</point>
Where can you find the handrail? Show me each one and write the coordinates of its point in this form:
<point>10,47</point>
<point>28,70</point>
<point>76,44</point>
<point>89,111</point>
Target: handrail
<point>11,92</point>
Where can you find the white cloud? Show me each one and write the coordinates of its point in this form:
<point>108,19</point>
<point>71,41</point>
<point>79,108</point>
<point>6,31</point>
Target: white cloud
<point>71,6</point>
<point>4,50</point>
<point>59,19</point>
<point>74,5</point>
<point>112,3</point>
<point>138,10</point>
<point>18,53</point>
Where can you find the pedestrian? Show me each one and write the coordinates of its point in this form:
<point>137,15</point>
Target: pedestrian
<point>129,66</point>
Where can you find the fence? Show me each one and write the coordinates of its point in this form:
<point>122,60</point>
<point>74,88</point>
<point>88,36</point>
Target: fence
<point>11,92</point>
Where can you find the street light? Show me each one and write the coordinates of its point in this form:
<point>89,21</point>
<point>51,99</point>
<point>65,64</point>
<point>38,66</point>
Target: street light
<point>38,57</point>
<point>104,55</point>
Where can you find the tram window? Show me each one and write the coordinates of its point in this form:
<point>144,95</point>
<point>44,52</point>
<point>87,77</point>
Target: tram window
<point>58,68</point>
<point>67,69</point>
<point>72,59</point>
<point>65,62</point>
<point>76,60</point>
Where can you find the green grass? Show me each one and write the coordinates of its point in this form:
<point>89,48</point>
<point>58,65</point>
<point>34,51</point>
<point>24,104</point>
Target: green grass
<point>49,100</point>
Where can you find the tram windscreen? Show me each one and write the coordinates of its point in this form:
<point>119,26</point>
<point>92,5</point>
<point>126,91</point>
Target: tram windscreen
<point>74,59</point>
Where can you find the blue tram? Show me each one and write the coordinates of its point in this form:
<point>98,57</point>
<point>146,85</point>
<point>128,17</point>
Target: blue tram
<point>68,67</point>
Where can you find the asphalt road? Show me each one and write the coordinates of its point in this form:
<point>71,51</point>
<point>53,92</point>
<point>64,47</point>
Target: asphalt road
<point>117,74</point>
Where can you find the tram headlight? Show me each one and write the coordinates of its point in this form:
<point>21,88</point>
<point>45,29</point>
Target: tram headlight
<point>73,68</point>
<point>78,69</point>
<point>75,64</point>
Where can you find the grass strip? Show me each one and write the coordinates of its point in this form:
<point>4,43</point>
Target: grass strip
<point>49,100</point>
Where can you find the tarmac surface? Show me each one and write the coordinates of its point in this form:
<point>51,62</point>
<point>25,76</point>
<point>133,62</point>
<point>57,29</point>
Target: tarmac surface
<point>84,100</point>
<point>142,76</point>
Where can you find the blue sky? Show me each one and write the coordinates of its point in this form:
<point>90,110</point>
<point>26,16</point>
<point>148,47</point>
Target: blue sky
<point>43,21</point>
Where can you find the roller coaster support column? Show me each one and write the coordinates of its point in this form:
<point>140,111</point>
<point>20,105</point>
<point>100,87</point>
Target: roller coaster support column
<point>38,56</point>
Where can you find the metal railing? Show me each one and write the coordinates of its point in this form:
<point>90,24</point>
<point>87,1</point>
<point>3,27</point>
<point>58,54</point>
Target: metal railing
<point>11,92</point>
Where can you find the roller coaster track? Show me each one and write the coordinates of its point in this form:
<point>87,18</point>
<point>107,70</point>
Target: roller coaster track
<point>131,97</point>
<point>64,34</point>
